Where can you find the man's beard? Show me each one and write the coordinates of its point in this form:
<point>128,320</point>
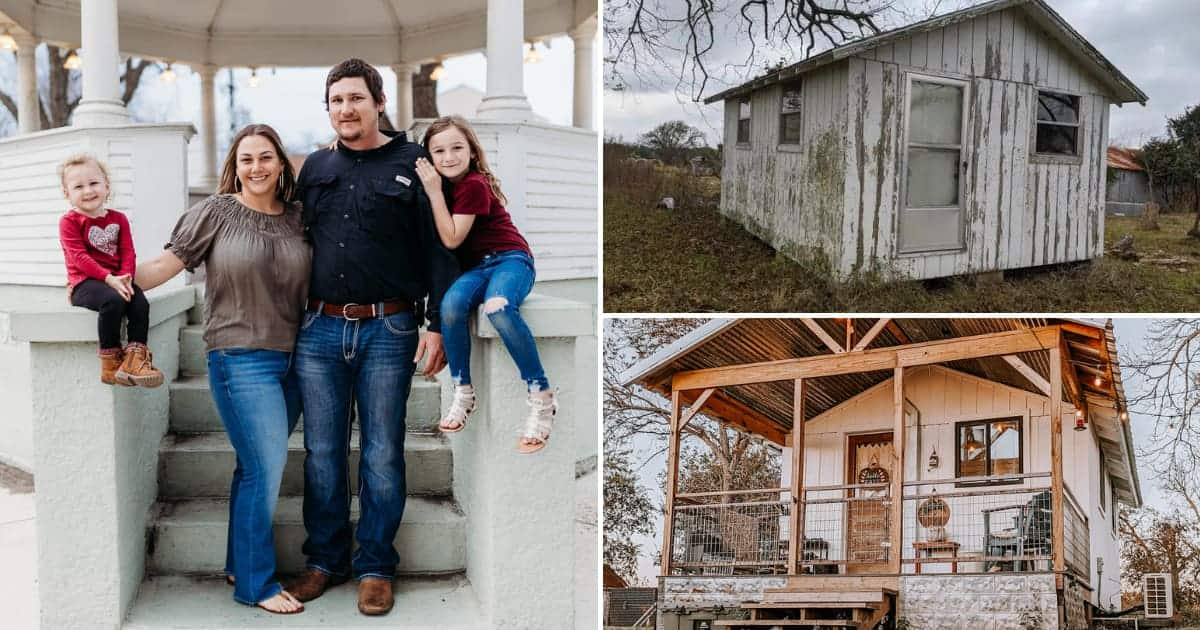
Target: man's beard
<point>351,137</point>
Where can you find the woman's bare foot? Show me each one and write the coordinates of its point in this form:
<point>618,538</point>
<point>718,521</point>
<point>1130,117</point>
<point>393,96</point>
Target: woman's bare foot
<point>283,603</point>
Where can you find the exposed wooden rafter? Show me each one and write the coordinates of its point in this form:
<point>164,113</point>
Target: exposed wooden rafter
<point>695,407</point>
<point>825,338</point>
<point>1030,374</point>
<point>872,334</point>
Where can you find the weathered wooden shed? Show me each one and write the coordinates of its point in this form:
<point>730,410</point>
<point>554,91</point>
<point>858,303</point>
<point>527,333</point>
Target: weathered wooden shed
<point>1128,183</point>
<point>973,141</point>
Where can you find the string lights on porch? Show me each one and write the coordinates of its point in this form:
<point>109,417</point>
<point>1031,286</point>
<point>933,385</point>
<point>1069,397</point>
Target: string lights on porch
<point>531,53</point>
<point>253,81</point>
<point>168,74</point>
<point>438,72</point>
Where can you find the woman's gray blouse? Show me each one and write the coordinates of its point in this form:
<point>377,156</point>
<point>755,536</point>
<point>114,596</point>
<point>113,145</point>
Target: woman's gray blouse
<point>257,268</point>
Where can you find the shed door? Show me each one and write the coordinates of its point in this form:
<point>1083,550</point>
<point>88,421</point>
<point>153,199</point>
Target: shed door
<point>931,218</point>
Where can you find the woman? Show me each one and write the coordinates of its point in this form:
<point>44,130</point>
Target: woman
<point>257,260</point>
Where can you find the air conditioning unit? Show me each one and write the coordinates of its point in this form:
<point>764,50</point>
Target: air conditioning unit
<point>1156,595</point>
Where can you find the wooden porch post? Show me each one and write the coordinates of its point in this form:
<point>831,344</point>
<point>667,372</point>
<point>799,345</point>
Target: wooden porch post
<point>672,484</point>
<point>795,546</point>
<point>1056,463</point>
<point>896,512</point>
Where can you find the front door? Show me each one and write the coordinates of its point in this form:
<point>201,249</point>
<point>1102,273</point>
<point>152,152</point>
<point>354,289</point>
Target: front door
<point>869,461</point>
<point>931,218</point>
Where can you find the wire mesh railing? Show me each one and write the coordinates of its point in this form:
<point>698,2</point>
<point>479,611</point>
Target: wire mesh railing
<point>950,526</point>
<point>728,533</point>
<point>1077,538</point>
<point>846,526</point>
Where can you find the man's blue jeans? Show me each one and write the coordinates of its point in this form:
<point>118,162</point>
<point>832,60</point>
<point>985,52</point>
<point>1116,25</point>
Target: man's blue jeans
<point>259,401</point>
<point>507,275</point>
<point>369,361</point>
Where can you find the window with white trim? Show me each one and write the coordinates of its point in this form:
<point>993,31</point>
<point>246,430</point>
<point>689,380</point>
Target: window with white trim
<point>789,114</point>
<point>743,128</point>
<point>1057,124</point>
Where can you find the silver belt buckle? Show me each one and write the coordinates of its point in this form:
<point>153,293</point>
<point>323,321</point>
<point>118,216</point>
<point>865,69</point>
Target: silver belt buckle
<point>346,315</point>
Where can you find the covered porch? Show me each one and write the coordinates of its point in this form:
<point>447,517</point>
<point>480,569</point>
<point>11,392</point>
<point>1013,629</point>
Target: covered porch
<point>890,467</point>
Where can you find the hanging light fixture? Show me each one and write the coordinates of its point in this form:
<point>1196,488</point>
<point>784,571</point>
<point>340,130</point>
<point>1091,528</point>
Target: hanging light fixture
<point>167,75</point>
<point>1098,382</point>
<point>252,80</point>
<point>531,53</point>
<point>438,72</point>
<point>972,446</point>
<point>1080,421</point>
<point>7,42</point>
<point>1125,416</point>
<point>73,62</point>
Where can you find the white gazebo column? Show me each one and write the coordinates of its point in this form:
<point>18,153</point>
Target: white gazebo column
<point>208,117</point>
<point>505,97</point>
<point>584,37</point>
<point>100,103</point>
<point>404,99</point>
<point>28,120</point>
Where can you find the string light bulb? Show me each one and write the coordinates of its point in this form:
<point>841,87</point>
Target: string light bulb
<point>73,62</point>
<point>438,72</point>
<point>168,74</point>
<point>1098,382</point>
<point>253,80</point>
<point>7,42</point>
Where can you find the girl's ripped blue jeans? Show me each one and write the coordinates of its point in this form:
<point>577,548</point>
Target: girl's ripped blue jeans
<point>508,276</point>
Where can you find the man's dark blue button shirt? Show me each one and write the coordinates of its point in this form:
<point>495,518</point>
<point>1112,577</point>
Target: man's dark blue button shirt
<point>372,228</point>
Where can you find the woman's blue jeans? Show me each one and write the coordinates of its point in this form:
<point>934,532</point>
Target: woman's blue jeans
<point>259,401</point>
<point>507,275</point>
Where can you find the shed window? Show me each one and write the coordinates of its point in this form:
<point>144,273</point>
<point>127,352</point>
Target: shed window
<point>988,447</point>
<point>789,114</point>
<point>743,134</point>
<point>1057,123</point>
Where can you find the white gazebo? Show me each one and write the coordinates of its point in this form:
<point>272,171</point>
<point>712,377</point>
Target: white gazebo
<point>95,450</point>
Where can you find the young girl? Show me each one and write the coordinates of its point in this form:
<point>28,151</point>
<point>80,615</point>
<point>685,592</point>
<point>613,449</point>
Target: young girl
<point>98,248</point>
<point>497,272</point>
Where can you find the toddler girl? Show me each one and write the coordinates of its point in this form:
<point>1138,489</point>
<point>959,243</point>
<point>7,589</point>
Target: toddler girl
<point>98,248</point>
<point>497,272</point>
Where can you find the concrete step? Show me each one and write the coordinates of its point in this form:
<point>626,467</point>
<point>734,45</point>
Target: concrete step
<point>193,410</point>
<point>422,603</point>
<point>201,465</point>
<point>188,537</point>
<point>192,356</point>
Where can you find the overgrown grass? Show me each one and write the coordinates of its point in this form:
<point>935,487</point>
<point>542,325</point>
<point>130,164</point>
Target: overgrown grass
<point>692,259</point>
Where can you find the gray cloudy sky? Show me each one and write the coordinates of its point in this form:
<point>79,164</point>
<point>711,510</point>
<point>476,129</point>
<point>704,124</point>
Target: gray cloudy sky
<point>1154,42</point>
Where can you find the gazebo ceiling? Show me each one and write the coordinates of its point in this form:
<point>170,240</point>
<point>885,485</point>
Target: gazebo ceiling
<point>295,32</point>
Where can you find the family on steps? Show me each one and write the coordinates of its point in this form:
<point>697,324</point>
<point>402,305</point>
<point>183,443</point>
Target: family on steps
<point>315,287</point>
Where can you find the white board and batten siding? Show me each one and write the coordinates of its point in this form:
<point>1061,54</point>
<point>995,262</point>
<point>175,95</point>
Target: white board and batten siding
<point>32,202</point>
<point>1019,210</point>
<point>789,195</point>
<point>939,398</point>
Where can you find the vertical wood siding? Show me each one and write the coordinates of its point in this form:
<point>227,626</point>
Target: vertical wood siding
<point>790,196</point>
<point>1018,211</point>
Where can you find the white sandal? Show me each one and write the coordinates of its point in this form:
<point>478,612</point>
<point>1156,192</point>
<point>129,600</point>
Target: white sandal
<point>539,422</point>
<point>460,409</point>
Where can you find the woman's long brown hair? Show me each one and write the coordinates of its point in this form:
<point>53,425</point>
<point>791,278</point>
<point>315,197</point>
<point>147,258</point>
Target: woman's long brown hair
<point>285,190</point>
<point>478,161</point>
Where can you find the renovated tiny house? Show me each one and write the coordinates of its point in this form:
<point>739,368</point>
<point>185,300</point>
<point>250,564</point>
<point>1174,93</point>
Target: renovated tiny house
<point>949,472</point>
<point>970,142</point>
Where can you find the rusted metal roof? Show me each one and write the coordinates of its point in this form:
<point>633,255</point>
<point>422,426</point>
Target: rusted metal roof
<point>1089,348</point>
<point>1124,91</point>
<point>1125,159</point>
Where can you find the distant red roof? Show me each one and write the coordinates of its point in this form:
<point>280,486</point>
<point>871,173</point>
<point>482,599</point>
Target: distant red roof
<point>612,579</point>
<point>1125,159</point>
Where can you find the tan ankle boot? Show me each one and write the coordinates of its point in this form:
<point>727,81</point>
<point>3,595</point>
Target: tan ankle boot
<point>110,363</point>
<point>138,367</point>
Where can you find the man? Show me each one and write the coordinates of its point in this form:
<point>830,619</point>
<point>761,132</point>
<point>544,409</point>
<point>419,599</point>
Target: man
<point>376,256</point>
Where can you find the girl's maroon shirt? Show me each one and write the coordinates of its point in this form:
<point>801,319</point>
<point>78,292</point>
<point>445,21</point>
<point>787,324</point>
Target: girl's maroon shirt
<point>493,230</point>
<point>96,247</point>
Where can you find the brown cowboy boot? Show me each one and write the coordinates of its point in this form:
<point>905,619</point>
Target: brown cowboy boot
<point>311,584</point>
<point>138,367</point>
<point>375,596</point>
<point>110,363</point>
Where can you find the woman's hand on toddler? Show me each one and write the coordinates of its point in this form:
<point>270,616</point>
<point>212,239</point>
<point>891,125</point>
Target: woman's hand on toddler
<point>430,178</point>
<point>122,284</point>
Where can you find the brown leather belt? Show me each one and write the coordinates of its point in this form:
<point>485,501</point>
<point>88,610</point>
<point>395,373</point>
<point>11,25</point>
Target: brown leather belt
<point>360,311</point>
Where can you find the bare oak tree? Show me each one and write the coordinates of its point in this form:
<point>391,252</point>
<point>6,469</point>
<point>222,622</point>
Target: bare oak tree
<point>683,35</point>
<point>1167,367</point>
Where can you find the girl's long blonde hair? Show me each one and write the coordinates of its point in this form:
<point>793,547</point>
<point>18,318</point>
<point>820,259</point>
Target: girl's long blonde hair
<point>478,160</point>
